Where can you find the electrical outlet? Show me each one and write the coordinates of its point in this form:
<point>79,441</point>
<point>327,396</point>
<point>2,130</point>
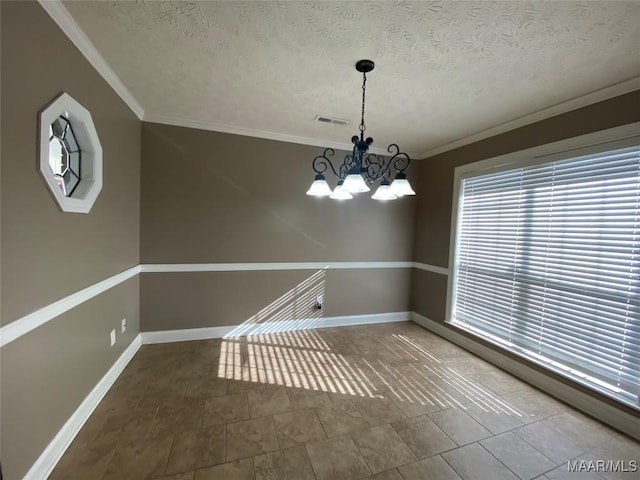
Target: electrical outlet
<point>124,325</point>
<point>113,337</point>
<point>319,302</point>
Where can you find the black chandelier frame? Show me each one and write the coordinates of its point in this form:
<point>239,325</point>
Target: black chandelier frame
<point>371,166</point>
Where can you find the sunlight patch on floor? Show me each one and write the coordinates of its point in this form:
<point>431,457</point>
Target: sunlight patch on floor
<point>309,360</point>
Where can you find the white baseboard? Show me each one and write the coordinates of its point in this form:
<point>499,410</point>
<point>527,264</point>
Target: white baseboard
<point>47,461</point>
<point>606,413</point>
<point>188,334</point>
<point>166,336</point>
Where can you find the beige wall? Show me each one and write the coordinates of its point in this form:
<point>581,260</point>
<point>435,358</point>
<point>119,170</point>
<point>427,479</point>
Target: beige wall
<point>47,254</point>
<point>48,372</point>
<point>435,182</point>
<point>205,299</point>
<point>211,197</point>
<point>216,197</point>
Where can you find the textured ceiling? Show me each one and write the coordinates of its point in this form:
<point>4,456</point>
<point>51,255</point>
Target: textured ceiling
<point>445,70</point>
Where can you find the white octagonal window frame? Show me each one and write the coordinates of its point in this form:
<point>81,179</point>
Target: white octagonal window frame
<point>90,185</point>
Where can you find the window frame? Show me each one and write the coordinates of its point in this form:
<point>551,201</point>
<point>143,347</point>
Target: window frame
<point>597,142</point>
<point>88,188</point>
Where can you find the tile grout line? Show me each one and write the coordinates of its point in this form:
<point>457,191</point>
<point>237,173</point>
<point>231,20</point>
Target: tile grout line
<point>525,441</point>
<point>304,447</point>
<point>450,466</point>
<point>313,470</point>
<point>533,446</point>
<point>321,424</point>
<point>350,435</point>
<point>273,424</point>
<point>166,464</point>
<point>498,460</point>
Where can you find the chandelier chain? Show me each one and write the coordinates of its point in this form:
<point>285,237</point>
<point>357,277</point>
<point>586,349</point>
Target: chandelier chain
<point>364,89</point>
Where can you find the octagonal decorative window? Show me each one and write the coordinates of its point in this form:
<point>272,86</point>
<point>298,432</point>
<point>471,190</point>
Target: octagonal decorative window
<point>70,159</point>
<point>64,155</point>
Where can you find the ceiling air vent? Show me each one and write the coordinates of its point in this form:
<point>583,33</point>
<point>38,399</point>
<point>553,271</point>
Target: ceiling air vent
<point>334,121</point>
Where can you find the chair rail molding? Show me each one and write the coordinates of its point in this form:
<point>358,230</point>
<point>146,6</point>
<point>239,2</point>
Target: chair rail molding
<point>23,325</point>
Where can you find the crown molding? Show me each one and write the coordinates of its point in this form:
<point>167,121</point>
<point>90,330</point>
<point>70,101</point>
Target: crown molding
<point>249,132</point>
<point>68,25</point>
<point>72,30</point>
<point>606,93</point>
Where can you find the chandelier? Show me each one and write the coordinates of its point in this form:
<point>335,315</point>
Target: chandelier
<point>360,169</point>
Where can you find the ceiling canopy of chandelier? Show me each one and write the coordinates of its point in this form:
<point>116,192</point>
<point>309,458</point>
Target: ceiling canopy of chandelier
<point>360,169</point>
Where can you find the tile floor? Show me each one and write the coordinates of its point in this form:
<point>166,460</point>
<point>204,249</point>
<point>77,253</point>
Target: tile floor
<point>385,402</point>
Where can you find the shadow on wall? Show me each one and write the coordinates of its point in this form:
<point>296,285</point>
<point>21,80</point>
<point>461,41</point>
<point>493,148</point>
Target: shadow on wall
<point>291,311</point>
<point>419,378</point>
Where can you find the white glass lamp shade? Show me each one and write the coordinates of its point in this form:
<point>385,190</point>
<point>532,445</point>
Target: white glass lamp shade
<point>339,193</point>
<point>384,192</point>
<point>354,183</point>
<point>401,187</point>
<point>319,187</point>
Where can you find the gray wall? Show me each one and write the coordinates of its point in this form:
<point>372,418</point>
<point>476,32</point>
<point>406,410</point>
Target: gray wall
<point>435,183</point>
<point>47,254</point>
<point>211,197</point>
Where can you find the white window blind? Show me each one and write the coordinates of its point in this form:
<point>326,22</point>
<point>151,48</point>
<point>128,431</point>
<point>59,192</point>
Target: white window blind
<point>547,264</point>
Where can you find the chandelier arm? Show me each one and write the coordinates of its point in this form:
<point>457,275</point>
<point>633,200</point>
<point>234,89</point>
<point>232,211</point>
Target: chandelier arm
<point>349,160</point>
<point>322,162</point>
<point>352,161</point>
<point>376,167</point>
<point>343,171</point>
<point>400,160</point>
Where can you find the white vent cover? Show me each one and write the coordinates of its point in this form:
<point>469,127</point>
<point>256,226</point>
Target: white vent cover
<point>327,119</point>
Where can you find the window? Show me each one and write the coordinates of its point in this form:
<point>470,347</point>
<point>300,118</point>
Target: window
<point>547,262</point>
<point>64,155</point>
<point>70,159</point>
